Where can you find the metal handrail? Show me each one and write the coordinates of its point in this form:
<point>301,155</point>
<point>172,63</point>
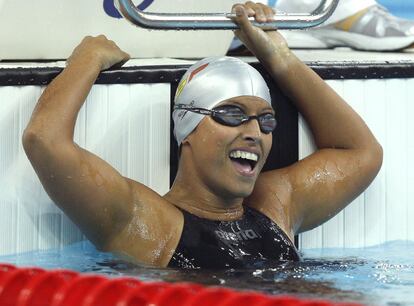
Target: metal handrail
<point>221,21</point>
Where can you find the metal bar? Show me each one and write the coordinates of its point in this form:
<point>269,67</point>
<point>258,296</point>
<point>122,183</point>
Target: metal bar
<point>221,21</point>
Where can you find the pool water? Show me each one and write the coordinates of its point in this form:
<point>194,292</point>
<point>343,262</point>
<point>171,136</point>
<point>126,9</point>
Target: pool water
<point>380,275</point>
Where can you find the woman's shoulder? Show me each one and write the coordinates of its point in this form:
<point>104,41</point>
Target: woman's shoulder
<point>154,222</point>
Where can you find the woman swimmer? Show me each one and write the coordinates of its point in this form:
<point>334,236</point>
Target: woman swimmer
<point>221,211</point>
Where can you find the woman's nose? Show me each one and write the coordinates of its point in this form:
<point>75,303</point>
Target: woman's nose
<point>251,130</point>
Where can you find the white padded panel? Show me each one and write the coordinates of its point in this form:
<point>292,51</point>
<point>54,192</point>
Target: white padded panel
<point>126,125</point>
<point>383,212</point>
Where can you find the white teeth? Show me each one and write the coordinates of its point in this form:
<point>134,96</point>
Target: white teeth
<point>244,155</point>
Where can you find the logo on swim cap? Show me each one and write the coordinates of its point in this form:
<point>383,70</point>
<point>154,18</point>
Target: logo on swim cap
<point>199,69</point>
<point>184,112</point>
<point>180,88</point>
<point>184,81</point>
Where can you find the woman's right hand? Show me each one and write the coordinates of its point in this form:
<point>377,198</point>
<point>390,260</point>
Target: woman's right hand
<point>100,51</point>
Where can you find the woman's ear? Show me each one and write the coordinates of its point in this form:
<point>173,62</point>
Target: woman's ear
<point>186,141</point>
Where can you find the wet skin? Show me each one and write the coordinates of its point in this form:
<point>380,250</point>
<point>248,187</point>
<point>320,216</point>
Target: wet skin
<point>121,215</point>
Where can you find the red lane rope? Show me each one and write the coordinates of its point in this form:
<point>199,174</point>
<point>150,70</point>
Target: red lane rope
<point>39,287</point>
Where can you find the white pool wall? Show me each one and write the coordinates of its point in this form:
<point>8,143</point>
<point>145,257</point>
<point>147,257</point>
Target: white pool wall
<point>127,125</point>
<point>50,29</point>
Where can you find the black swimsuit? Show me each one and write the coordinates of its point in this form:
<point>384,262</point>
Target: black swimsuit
<point>254,241</point>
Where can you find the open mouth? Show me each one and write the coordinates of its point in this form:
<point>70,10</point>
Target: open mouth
<point>244,162</point>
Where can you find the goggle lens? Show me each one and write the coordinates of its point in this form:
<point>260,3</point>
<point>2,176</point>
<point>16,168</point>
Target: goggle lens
<point>234,116</point>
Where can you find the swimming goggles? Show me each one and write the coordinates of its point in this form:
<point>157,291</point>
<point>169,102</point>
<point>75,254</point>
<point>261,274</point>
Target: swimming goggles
<point>231,115</point>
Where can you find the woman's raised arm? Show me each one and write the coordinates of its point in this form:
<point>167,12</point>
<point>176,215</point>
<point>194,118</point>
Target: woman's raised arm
<point>80,183</point>
<point>348,156</point>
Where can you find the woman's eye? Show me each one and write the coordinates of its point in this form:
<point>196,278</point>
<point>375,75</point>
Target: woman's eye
<point>267,116</point>
<point>231,111</point>
<point>234,113</point>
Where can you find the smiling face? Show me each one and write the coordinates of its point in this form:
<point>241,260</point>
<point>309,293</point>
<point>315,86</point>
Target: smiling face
<point>229,159</point>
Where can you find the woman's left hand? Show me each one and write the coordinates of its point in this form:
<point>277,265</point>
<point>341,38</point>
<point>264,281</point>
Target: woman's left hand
<point>263,44</point>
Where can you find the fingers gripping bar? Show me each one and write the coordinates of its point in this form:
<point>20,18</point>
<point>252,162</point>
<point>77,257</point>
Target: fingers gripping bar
<point>221,21</point>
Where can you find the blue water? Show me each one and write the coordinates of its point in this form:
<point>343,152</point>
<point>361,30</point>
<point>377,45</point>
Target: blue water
<point>401,8</point>
<point>380,275</point>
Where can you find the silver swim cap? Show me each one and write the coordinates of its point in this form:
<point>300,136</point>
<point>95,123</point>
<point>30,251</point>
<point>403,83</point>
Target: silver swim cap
<point>210,81</point>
